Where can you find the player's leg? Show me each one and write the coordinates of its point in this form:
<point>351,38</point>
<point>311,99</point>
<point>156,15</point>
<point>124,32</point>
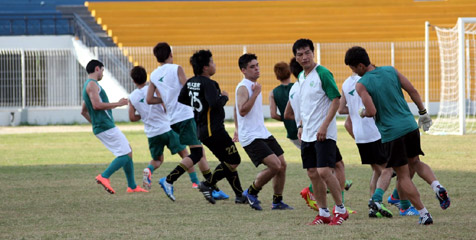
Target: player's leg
<point>156,149</point>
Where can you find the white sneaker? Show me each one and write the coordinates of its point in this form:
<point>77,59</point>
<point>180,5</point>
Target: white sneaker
<point>146,179</point>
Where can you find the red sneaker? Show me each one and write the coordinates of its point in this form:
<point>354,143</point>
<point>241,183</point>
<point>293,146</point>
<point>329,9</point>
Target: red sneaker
<point>194,186</point>
<point>137,189</point>
<point>320,220</point>
<point>105,183</point>
<point>339,218</point>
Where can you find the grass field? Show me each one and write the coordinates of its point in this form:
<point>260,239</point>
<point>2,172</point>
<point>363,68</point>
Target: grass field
<point>48,192</point>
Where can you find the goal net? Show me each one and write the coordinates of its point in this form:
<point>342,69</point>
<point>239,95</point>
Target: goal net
<point>457,47</point>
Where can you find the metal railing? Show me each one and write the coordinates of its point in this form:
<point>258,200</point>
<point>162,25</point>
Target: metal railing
<point>52,78</point>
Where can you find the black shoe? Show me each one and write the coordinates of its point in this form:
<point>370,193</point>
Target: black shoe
<point>426,220</point>
<point>442,196</point>
<point>241,200</point>
<point>207,192</point>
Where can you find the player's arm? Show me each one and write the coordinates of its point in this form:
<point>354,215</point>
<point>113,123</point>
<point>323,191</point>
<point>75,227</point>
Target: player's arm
<point>213,96</point>
<point>181,75</point>
<point>184,96</point>
<point>370,109</point>
<point>273,108</point>
<point>84,112</point>
<point>93,92</point>
<point>411,90</point>
<point>245,103</point>
<point>151,97</point>
<point>343,109</point>
<point>348,126</point>
<point>289,112</point>
<point>235,119</point>
<point>132,113</point>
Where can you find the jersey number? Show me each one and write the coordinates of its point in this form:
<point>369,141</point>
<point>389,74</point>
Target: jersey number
<point>195,101</point>
<point>231,149</point>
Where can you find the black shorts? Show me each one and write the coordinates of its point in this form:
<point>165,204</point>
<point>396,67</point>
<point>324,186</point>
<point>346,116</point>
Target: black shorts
<point>260,148</point>
<point>319,154</point>
<point>223,147</point>
<point>372,153</point>
<point>338,155</point>
<point>399,150</point>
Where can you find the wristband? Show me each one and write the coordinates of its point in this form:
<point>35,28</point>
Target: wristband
<point>422,112</point>
<point>300,126</point>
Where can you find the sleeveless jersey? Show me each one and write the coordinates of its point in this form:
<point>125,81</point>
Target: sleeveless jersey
<point>251,126</point>
<point>165,78</point>
<point>393,117</point>
<point>101,120</point>
<point>281,96</point>
<point>294,101</point>
<point>153,116</point>
<point>364,129</point>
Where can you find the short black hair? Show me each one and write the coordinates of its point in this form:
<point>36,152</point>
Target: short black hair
<point>90,68</point>
<point>138,74</point>
<point>356,55</point>
<point>162,51</point>
<point>302,43</point>
<point>199,60</point>
<point>245,59</point>
<point>295,67</point>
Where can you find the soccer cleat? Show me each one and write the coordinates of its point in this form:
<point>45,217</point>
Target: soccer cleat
<point>207,192</point>
<point>105,183</point>
<point>137,189</point>
<point>320,220</point>
<point>219,195</point>
<point>393,201</point>
<point>241,200</point>
<point>281,206</point>
<point>168,188</point>
<point>350,210</point>
<point>411,211</point>
<point>348,184</point>
<point>426,220</point>
<point>378,206</point>
<point>146,179</point>
<point>194,186</point>
<point>309,198</point>
<point>442,196</point>
<point>374,214</point>
<point>339,218</point>
<point>252,200</point>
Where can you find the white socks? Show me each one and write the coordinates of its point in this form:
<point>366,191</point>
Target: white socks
<point>436,186</point>
<point>324,212</point>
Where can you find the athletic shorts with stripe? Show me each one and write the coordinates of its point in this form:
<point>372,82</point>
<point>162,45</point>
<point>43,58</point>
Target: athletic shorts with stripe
<point>223,147</point>
<point>399,150</point>
<point>260,148</point>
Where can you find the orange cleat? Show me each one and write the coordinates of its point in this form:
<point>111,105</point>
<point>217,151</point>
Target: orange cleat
<point>309,198</point>
<point>137,189</point>
<point>105,183</point>
<point>194,186</point>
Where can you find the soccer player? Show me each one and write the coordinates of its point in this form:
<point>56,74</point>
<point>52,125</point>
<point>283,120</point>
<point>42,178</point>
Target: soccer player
<point>156,127</point>
<point>207,100</point>
<point>96,108</point>
<point>259,144</point>
<point>278,99</point>
<point>368,140</point>
<point>380,89</point>
<point>319,100</point>
<point>167,81</point>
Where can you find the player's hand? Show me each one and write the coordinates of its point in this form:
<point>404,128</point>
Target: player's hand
<point>425,121</point>
<point>321,134</point>
<point>362,112</point>
<point>123,101</point>
<point>235,137</point>
<point>299,133</point>
<point>224,93</point>
<point>256,88</point>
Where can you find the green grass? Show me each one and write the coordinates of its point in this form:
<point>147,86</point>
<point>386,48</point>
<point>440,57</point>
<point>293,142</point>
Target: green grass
<point>48,192</point>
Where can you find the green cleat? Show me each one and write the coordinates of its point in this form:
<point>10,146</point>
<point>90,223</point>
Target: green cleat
<point>378,206</point>
<point>348,184</point>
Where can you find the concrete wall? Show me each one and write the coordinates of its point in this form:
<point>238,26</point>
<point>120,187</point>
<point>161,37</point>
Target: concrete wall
<point>36,42</point>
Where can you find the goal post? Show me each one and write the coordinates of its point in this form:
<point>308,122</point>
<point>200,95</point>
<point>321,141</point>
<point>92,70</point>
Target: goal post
<point>457,50</point>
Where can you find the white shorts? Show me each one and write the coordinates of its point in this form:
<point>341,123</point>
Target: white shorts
<point>296,142</point>
<point>115,141</point>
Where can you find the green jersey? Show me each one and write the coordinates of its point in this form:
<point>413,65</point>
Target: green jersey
<point>101,120</point>
<point>393,117</point>
<point>281,97</point>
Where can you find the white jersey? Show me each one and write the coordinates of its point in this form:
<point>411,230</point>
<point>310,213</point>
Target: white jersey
<point>165,78</point>
<point>155,119</point>
<point>251,126</point>
<point>364,129</point>
<point>294,101</point>
<point>315,103</point>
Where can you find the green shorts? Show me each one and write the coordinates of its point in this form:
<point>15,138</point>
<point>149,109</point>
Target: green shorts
<point>187,131</point>
<point>169,139</point>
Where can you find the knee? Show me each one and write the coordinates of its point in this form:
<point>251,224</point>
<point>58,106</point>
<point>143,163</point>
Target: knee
<point>312,173</point>
<point>196,154</point>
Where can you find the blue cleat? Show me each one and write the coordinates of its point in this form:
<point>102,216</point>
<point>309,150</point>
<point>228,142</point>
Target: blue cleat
<point>281,206</point>
<point>219,195</point>
<point>411,211</point>
<point>393,201</point>
<point>168,188</point>
<point>252,200</point>
<point>442,196</point>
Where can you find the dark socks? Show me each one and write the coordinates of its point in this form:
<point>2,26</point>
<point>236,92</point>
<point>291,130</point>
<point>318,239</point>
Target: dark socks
<point>176,173</point>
